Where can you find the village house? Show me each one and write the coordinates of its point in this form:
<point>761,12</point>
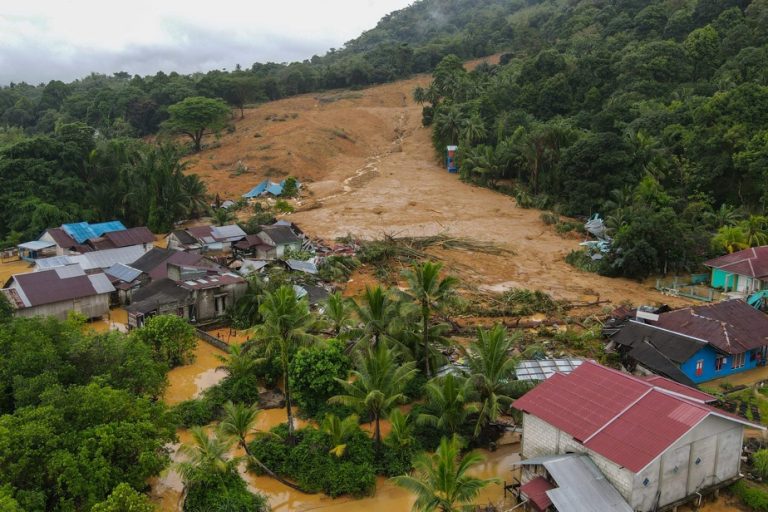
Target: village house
<point>265,188</point>
<point>657,442</point>
<point>59,291</point>
<point>744,271</point>
<point>197,294</point>
<point>94,260</point>
<point>272,242</point>
<point>206,239</point>
<point>81,238</point>
<point>698,343</point>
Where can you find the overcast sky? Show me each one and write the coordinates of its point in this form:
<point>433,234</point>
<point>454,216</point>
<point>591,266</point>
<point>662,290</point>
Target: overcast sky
<point>42,40</point>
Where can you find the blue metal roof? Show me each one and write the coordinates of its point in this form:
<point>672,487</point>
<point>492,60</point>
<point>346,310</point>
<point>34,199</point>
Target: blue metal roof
<point>257,190</point>
<point>82,231</point>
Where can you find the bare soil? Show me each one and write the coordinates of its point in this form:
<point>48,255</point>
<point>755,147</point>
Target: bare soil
<point>368,168</point>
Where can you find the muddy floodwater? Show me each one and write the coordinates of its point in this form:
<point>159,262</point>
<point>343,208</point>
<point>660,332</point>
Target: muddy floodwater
<point>189,381</point>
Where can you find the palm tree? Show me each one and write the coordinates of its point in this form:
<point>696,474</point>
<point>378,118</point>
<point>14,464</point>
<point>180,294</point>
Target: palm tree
<point>196,192</point>
<point>472,129</point>
<point>246,310</point>
<point>237,363</point>
<point>377,311</point>
<point>286,321</point>
<point>447,126</point>
<point>377,385</point>
<point>238,423</point>
<point>222,216</point>
<point>492,370</point>
<point>428,291</point>
<point>754,228</point>
<point>448,403</point>
<point>730,239</point>
<point>339,431</point>
<point>441,481</point>
<point>401,431</point>
<point>207,455</point>
<point>338,312</point>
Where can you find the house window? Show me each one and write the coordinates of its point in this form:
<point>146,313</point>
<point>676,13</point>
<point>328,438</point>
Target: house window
<point>720,362</point>
<point>738,361</point>
<point>699,367</point>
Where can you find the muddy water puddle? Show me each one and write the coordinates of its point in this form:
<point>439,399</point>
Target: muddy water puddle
<point>186,382</point>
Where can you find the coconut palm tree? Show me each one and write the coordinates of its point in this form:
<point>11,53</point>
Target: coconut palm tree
<point>377,384</point>
<point>222,216</point>
<point>196,192</point>
<point>492,370</point>
<point>755,230</point>
<point>238,362</point>
<point>206,455</point>
<point>286,322</point>
<point>441,481</point>
<point>339,431</point>
<point>428,291</point>
<point>338,313</point>
<point>401,433</point>
<point>377,311</point>
<point>448,403</point>
<point>238,423</point>
<point>246,310</point>
<point>730,239</point>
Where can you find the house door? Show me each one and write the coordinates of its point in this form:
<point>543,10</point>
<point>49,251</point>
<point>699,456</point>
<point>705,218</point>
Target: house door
<point>221,305</point>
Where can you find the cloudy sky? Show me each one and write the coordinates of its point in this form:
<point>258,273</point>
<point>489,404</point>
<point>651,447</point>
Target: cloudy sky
<point>41,40</point>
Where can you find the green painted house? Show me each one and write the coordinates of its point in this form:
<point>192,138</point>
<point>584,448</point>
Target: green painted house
<point>743,271</point>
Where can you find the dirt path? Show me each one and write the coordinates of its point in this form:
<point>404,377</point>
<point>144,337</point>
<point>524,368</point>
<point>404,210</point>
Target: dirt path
<point>369,169</point>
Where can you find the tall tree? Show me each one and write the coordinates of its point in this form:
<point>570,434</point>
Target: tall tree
<point>492,370</point>
<point>428,291</point>
<point>196,117</point>
<point>377,384</point>
<point>441,481</point>
<point>286,322</point>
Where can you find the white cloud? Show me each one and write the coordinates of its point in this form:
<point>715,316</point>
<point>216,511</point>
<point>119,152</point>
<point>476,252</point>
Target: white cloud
<point>41,40</point>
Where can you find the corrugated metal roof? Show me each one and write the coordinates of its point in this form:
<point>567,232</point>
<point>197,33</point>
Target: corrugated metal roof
<point>67,271</point>
<point>536,491</point>
<point>47,287</point>
<point>257,190</point>
<point>36,245</point>
<point>628,420</point>
<point>581,487</point>
<point>228,233</point>
<point>732,326</point>
<point>55,261</point>
<point>123,272</point>
<point>108,257</point>
<point>61,238</point>
<point>101,283</point>
<point>543,369</point>
<point>250,266</point>
<point>82,231</point>
<point>302,266</point>
<point>752,262</point>
<point>280,235</point>
<point>133,236</point>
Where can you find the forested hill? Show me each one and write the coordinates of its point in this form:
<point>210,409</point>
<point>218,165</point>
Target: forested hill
<point>410,40</point>
<point>654,114</point>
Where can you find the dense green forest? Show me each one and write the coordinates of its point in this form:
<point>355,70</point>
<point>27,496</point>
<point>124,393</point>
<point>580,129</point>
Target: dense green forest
<point>654,114</point>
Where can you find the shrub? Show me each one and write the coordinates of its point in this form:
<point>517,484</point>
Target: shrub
<point>283,206</point>
<point>291,187</point>
<point>222,492</point>
<point>196,412</point>
<point>756,498</point>
<point>760,463</point>
<point>582,260</point>
<point>313,467</point>
<point>549,218</point>
<point>313,375</point>
<point>171,338</point>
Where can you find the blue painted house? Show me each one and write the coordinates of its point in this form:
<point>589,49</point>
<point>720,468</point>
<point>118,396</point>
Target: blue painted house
<point>698,343</point>
<point>743,271</point>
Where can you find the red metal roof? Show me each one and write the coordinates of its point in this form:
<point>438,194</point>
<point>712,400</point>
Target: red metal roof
<point>681,389</point>
<point>536,490</point>
<point>49,286</point>
<point>732,326</point>
<point>628,420</point>
<point>61,238</point>
<point>752,262</point>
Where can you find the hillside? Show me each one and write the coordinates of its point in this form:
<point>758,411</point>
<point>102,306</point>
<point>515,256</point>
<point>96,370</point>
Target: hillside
<point>369,169</point>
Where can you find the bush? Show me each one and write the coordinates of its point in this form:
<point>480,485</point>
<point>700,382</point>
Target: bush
<point>582,260</point>
<point>290,187</point>
<point>395,461</point>
<point>222,492</point>
<point>283,206</point>
<point>756,498</point>
<point>124,499</point>
<point>171,338</point>
<point>549,218</point>
<point>196,412</point>
<point>313,467</point>
<point>760,463</point>
<point>313,374</point>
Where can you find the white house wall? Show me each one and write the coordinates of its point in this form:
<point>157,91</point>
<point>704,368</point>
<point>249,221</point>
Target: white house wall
<point>542,439</point>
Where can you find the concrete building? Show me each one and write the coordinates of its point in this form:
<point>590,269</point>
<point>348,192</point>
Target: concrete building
<point>656,441</point>
<point>59,291</point>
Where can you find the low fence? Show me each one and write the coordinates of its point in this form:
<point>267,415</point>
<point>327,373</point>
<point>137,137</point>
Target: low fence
<point>212,340</point>
<point>683,287</point>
